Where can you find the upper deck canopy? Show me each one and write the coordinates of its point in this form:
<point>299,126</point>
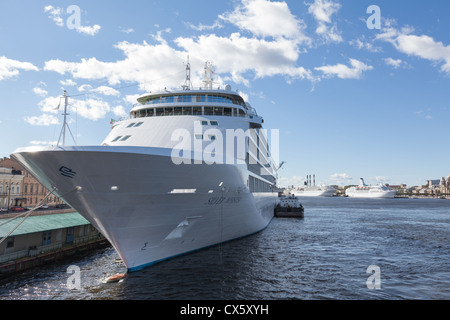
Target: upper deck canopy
<point>200,96</point>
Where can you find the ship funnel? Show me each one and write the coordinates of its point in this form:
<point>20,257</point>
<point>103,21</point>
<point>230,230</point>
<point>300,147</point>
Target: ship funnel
<point>361,182</point>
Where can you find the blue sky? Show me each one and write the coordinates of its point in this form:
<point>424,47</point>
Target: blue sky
<point>349,101</point>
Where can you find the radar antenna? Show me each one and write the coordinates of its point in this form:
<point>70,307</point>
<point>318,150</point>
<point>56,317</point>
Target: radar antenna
<point>208,75</point>
<point>187,85</point>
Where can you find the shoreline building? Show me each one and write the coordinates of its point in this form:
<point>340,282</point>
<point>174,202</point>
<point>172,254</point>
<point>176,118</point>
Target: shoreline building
<point>11,182</point>
<point>30,190</point>
<point>444,186</point>
<point>42,238</point>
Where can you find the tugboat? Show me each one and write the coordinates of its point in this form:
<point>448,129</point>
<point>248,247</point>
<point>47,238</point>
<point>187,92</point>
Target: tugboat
<point>289,207</point>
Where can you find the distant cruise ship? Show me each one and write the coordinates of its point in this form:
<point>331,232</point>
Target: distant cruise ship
<point>314,191</point>
<point>311,190</point>
<point>152,194</point>
<point>365,191</point>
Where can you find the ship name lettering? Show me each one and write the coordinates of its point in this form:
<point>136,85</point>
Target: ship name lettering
<point>215,200</point>
<point>220,200</point>
<point>233,200</point>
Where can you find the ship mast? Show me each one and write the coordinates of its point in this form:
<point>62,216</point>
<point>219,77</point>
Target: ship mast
<point>187,85</point>
<point>65,124</point>
<point>208,75</point>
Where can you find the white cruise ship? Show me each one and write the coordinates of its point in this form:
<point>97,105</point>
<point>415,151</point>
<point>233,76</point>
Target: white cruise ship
<point>311,190</point>
<point>314,191</point>
<point>365,191</point>
<point>161,183</point>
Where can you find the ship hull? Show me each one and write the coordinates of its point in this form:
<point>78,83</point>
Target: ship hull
<point>314,193</point>
<point>368,194</point>
<point>149,208</point>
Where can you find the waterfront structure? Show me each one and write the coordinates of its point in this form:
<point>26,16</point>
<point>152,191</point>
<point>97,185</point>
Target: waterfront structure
<point>444,186</point>
<point>162,182</point>
<point>31,192</point>
<point>365,191</point>
<point>42,233</point>
<point>435,187</point>
<point>10,188</point>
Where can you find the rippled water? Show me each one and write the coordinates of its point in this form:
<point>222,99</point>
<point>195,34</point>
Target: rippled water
<point>323,256</point>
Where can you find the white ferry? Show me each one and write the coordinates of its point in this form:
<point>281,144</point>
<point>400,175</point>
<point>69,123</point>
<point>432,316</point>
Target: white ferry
<point>365,191</point>
<point>161,183</point>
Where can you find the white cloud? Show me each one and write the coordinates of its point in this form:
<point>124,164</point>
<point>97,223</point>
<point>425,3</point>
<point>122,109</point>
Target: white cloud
<point>91,109</point>
<point>395,63</point>
<point>266,19</point>
<point>92,31</point>
<point>127,31</point>
<point>423,46</point>
<point>340,177</point>
<point>323,10</point>
<point>131,99</point>
<point>107,91</point>
<point>55,15</point>
<point>68,82</point>
<point>236,55</point>
<point>424,114</point>
<point>136,67</point>
<point>50,104</point>
<point>345,72</point>
<point>119,111</point>
<point>10,68</point>
<point>44,120</point>
<point>40,92</point>
<point>202,27</point>
<point>362,44</point>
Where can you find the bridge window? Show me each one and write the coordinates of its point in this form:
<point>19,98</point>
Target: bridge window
<point>168,111</point>
<point>178,111</point>
<point>209,111</point>
<point>159,112</point>
<point>187,111</point>
<point>227,112</point>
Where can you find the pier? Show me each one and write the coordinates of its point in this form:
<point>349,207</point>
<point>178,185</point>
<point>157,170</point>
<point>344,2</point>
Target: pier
<point>44,237</point>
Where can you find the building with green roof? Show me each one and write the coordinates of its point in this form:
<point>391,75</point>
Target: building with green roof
<point>43,233</point>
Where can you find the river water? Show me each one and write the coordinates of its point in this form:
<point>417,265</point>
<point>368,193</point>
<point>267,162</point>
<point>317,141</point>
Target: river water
<point>326,255</point>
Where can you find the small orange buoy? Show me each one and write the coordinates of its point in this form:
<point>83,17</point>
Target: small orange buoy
<point>116,277</point>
